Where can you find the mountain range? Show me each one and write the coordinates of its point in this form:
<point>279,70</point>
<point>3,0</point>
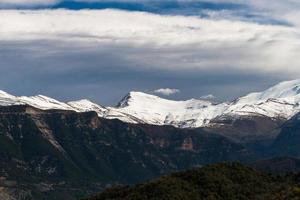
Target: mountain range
<point>55,150</point>
<point>254,117</point>
<point>281,101</point>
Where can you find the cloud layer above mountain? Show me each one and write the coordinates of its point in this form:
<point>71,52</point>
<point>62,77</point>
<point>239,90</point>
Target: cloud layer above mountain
<point>221,51</point>
<point>166,42</point>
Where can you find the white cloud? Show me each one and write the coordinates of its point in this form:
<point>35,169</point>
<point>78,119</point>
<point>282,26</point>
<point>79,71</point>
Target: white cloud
<point>208,97</point>
<point>176,43</point>
<point>166,91</point>
<point>135,27</point>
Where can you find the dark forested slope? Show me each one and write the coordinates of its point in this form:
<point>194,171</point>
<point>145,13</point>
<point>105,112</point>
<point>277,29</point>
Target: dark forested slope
<point>229,181</point>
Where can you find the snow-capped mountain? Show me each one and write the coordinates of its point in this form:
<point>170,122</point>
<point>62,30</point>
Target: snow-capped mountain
<point>282,100</point>
<point>39,101</point>
<point>85,105</point>
<point>155,110</point>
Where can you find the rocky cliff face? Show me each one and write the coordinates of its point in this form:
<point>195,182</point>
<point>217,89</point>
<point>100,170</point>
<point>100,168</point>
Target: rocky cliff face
<point>57,154</point>
<point>247,129</point>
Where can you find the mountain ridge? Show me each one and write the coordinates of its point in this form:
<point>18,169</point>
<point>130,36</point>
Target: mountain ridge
<point>89,144</point>
<point>279,101</point>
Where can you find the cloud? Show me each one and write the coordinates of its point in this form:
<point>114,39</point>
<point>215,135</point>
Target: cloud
<point>174,43</point>
<point>208,97</point>
<point>105,73</point>
<point>264,12</point>
<point>165,42</point>
<point>166,91</point>
<point>90,53</point>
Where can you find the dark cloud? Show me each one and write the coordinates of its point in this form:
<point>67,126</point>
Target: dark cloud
<point>105,74</point>
<point>225,58</point>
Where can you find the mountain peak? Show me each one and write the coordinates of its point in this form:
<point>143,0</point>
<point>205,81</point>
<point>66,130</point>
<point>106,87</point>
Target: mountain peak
<point>85,105</point>
<point>83,101</point>
<point>157,110</point>
<point>287,90</point>
<point>5,94</point>
<point>44,102</point>
<point>283,90</point>
<point>134,96</point>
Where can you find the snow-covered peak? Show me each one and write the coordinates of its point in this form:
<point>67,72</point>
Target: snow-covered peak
<point>39,101</point>
<point>86,105</point>
<point>141,99</point>
<point>8,99</point>
<point>130,97</point>
<point>44,102</point>
<point>135,97</point>
<point>156,110</point>
<point>285,89</point>
<point>281,100</point>
<point>5,95</point>
<point>47,103</point>
<point>289,90</point>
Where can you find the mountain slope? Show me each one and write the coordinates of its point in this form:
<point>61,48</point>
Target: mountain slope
<point>59,154</point>
<point>279,165</point>
<point>40,102</point>
<point>230,181</point>
<point>287,142</point>
<point>281,100</point>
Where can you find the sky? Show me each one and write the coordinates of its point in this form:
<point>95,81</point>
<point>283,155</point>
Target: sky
<point>177,49</point>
